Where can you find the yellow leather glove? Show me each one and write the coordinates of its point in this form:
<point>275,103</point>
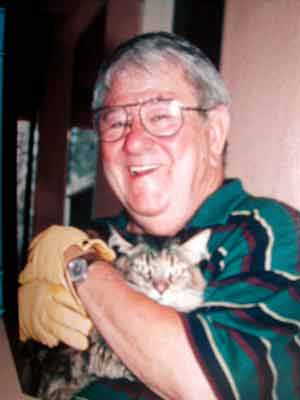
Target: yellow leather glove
<point>47,299</point>
<point>46,253</point>
<point>48,313</point>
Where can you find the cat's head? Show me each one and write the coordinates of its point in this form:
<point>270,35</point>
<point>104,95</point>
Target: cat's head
<point>194,249</point>
<point>167,275</point>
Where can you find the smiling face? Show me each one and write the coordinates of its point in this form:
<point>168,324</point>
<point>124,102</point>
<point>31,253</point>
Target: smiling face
<point>161,181</point>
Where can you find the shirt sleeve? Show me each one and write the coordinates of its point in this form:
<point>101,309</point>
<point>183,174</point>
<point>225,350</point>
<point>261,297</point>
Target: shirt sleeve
<point>246,334</point>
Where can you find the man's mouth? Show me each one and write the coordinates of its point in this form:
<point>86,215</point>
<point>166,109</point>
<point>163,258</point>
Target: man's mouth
<point>136,170</point>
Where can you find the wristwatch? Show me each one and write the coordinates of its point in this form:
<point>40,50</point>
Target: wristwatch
<point>78,266</point>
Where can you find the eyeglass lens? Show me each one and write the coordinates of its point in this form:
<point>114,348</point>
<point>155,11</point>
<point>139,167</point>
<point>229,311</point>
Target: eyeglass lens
<point>159,118</point>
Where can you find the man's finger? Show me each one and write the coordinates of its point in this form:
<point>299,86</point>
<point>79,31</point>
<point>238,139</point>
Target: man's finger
<point>68,318</point>
<point>65,297</point>
<point>69,336</point>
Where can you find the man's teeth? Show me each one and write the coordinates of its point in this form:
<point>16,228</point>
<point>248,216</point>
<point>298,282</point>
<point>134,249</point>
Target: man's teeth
<point>134,170</point>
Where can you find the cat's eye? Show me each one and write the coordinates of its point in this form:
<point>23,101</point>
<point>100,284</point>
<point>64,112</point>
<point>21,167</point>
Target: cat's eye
<point>146,275</point>
<point>172,277</point>
<point>172,259</point>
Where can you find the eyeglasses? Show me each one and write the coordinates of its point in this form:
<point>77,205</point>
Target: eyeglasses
<point>159,117</point>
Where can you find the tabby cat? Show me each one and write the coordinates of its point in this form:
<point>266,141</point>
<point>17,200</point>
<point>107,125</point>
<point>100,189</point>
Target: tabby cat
<point>169,276</point>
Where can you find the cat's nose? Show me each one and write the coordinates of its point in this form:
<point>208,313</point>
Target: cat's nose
<point>161,286</point>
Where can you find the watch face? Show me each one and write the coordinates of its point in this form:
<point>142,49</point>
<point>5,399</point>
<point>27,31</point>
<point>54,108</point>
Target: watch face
<point>78,269</point>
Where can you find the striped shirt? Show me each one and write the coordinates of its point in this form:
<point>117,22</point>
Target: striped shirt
<point>246,335</point>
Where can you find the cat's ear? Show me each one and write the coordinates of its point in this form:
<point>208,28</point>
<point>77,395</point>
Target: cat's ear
<point>196,248</point>
<point>116,240</point>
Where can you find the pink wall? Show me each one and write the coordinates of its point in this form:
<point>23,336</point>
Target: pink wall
<point>261,65</point>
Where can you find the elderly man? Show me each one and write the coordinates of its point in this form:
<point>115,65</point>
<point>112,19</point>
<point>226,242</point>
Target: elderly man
<point>161,110</point>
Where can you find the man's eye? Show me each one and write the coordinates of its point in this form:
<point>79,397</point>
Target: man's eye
<point>159,117</point>
<point>117,124</point>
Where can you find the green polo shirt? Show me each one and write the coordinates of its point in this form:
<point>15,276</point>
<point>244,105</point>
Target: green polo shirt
<point>246,334</point>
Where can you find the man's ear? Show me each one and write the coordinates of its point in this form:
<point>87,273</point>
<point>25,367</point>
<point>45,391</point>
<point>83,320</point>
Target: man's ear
<point>218,127</point>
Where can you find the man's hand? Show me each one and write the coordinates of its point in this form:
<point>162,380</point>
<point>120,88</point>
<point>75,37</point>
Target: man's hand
<point>49,314</point>
<point>46,253</point>
<point>49,308</point>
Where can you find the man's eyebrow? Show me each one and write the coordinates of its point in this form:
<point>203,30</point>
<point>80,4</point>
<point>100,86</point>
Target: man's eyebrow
<point>159,98</point>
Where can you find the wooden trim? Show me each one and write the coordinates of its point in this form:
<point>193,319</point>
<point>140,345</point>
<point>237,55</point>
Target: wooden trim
<point>10,386</point>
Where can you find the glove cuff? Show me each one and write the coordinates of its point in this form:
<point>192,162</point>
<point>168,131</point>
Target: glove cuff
<point>98,245</point>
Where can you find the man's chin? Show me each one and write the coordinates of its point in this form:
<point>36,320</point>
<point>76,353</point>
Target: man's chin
<point>147,210</point>
<point>154,221</point>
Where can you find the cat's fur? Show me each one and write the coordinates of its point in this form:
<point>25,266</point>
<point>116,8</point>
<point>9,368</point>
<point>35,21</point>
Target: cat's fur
<point>169,276</point>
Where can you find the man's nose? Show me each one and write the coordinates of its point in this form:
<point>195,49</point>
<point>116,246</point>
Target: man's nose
<point>136,137</point>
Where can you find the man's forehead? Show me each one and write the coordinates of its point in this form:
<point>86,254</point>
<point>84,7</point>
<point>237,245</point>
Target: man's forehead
<point>129,80</point>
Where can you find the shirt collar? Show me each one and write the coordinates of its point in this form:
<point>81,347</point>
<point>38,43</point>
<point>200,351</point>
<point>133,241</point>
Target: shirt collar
<point>217,207</point>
